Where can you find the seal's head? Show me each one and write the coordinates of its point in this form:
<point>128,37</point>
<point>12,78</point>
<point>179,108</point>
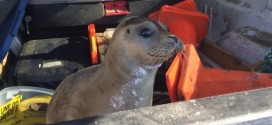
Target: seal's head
<point>145,41</point>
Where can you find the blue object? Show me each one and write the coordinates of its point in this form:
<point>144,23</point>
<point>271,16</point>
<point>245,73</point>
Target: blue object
<point>11,15</point>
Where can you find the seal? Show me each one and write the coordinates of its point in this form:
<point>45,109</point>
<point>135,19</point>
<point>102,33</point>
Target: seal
<point>124,80</point>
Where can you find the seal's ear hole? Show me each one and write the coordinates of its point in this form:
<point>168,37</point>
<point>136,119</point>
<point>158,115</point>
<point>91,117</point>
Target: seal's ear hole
<point>128,31</point>
<point>146,32</point>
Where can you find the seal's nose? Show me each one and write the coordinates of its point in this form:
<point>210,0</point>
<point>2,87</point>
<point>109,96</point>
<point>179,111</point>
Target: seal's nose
<point>173,37</point>
<point>179,43</point>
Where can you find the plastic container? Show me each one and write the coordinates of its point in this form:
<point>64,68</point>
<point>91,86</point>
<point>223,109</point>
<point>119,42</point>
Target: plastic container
<point>26,92</point>
<point>24,105</point>
<point>183,20</point>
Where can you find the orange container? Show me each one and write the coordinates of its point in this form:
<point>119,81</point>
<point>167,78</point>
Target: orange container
<point>187,77</point>
<point>197,81</point>
<point>190,26</point>
<point>184,21</point>
<point>172,78</point>
<point>185,5</point>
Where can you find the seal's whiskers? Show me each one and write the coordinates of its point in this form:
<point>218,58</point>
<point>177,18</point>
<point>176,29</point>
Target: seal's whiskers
<point>146,62</point>
<point>160,52</point>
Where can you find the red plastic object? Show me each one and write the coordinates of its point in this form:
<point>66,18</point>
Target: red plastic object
<point>190,26</point>
<point>187,77</point>
<point>196,81</point>
<point>93,44</point>
<point>184,21</point>
<point>115,8</point>
<point>172,78</point>
<point>185,5</point>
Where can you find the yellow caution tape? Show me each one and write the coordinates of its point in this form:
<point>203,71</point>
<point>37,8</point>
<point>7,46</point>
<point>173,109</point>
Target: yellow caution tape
<point>10,108</point>
<point>18,112</point>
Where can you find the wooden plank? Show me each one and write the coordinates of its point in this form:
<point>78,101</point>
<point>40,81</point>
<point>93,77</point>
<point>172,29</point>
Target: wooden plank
<point>208,62</point>
<point>222,57</point>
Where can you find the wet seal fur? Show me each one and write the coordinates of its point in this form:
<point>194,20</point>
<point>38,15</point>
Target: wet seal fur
<point>124,80</point>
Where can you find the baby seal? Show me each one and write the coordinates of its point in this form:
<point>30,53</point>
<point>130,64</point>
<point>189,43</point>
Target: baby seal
<point>124,80</point>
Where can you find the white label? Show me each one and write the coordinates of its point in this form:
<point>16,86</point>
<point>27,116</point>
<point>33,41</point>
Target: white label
<point>52,64</point>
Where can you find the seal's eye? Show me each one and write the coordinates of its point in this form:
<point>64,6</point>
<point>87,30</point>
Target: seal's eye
<point>146,33</point>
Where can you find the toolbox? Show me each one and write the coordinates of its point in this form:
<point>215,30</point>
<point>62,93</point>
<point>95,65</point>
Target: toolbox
<point>46,62</point>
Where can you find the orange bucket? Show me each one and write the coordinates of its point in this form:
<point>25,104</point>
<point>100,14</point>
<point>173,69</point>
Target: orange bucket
<point>185,5</point>
<point>184,21</point>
